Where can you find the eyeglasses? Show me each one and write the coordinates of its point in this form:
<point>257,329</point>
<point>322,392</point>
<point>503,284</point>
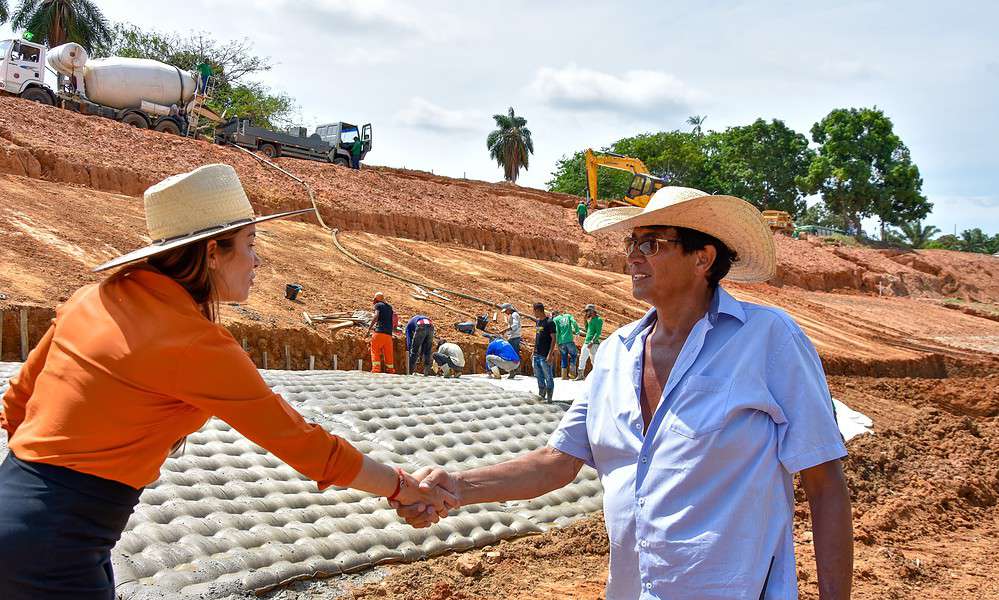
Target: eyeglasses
<point>647,246</point>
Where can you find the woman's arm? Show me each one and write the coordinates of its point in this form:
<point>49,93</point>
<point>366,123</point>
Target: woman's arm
<point>22,385</point>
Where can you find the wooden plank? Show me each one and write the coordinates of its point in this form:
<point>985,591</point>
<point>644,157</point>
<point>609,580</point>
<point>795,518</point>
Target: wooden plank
<point>24,334</point>
<point>287,357</point>
<point>1,333</point>
<point>312,363</point>
<point>265,359</point>
<point>336,361</point>
<point>360,364</point>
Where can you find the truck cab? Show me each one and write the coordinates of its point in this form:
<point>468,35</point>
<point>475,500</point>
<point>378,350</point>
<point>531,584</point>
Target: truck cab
<point>340,136</point>
<point>22,65</point>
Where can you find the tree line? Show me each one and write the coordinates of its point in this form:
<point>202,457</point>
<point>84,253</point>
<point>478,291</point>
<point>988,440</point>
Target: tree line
<point>855,162</point>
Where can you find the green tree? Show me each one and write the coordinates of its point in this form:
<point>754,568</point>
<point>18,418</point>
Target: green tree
<point>944,242</point>
<point>511,144</point>
<point>863,169</point>
<point>762,162</point>
<point>569,177</point>
<point>975,240</point>
<point>4,12</point>
<point>916,235</point>
<point>56,22</point>
<point>696,122</point>
<point>233,64</point>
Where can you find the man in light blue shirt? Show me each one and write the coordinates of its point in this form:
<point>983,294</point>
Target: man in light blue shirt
<point>696,418</point>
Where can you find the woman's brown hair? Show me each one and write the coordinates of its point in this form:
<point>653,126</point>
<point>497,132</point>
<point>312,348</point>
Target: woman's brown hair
<point>188,266</point>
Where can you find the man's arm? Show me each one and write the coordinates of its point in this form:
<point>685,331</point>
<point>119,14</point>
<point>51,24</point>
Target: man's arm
<point>527,476</point>
<point>832,528</point>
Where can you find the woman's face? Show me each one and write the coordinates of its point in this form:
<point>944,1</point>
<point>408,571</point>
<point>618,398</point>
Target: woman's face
<point>233,268</point>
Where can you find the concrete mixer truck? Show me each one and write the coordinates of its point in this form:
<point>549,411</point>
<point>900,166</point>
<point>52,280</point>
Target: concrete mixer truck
<point>143,93</point>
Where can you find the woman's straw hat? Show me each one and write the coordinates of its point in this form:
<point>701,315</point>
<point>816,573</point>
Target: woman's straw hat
<point>193,206</point>
<point>732,220</point>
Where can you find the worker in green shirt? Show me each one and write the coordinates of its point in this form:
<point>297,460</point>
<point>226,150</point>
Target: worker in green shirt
<point>355,153</point>
<point>594,327</point>
<point>566,328</point>
<point>582,211</point>
<point>204,72</point>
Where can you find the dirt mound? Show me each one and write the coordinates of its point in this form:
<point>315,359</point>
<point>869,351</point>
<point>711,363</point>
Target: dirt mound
<point>56,145</point>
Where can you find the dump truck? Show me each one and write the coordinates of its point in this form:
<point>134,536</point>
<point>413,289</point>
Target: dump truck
<point>329,143</point>
<point>139,92</point>
<point>642,186</point>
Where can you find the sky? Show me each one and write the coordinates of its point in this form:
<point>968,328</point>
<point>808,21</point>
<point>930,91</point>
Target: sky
<point>430,75</point>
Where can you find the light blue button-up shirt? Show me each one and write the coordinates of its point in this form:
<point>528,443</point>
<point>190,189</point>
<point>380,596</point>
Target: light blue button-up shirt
<point>701,505</point>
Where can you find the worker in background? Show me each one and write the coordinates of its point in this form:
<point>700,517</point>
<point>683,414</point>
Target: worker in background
<point>544,352</point>
<point>355,153</point>
<point>380,330</point>
<point>204,73</point>
<point>419,342</point>
<point>512,333</point>
<point>449,358</point>
<point>594,326</point>
<point>566,329</point>
<point>581,211</point>
<point>500,356</point>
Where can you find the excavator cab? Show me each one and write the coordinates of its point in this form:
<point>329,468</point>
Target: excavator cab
<point>643,185</point>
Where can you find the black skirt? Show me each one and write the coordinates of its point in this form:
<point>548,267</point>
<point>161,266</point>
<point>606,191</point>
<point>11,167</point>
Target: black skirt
<point>57,528</point>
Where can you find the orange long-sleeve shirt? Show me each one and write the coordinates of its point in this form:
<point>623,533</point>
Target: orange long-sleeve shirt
<point>130,366</point>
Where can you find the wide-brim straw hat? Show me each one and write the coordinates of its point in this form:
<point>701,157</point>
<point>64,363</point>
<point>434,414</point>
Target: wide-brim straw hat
<point>185,208</point>
<point>735,222</point>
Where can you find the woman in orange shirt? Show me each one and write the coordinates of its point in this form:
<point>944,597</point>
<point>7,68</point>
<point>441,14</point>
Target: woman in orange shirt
<point>130,367</point>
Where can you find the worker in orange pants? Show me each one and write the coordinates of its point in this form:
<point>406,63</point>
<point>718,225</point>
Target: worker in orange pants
<point>381,329</point>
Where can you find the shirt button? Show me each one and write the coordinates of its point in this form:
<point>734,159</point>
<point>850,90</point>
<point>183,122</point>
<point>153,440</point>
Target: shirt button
<point>644,544</point>
<point>645,459</point>
<point>638,427</point>
<point>648,585</point>
<point>641,501</point>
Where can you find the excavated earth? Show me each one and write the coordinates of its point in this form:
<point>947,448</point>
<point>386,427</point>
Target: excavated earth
<point>909,338</point>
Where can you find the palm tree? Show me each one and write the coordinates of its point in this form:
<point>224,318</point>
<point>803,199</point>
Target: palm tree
<point>55,22</point>
<point>695,122</point>
<point>974,240</point>
<point>511,144</point>
<point>916,235</point>
<point>4,12</point>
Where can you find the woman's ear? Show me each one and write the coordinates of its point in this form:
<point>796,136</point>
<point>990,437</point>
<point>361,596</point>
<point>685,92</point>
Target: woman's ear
<point>212,254</point>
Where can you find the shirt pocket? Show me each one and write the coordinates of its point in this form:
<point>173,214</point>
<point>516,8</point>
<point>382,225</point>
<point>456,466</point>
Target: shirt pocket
<point>700,406</point>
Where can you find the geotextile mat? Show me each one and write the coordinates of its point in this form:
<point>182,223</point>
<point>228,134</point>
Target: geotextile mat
<point>229,517</point>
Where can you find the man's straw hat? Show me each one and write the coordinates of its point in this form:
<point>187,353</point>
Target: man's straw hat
<point>193,206</point>
<point>732,220</point>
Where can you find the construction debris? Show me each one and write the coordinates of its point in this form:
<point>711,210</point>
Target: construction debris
<point>340,320</point>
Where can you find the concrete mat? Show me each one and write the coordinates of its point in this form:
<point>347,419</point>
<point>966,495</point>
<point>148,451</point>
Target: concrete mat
<point>229,517</point>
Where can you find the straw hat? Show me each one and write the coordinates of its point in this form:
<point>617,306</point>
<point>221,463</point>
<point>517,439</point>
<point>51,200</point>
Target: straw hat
<point>732,220</point>
<point>193,206</point>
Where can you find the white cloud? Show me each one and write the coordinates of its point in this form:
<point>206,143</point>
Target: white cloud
<point>637,92</point>
<point>423,114</point>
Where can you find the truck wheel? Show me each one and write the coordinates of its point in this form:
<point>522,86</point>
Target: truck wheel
<point>269,150</point>
<point>343,162</point>
<point>168,126</point>
<point>36,94</point>
<point>135,120</point>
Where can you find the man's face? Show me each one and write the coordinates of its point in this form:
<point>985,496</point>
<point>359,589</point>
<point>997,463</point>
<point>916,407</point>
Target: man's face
<point>539,313</point>
<point>668,273</point>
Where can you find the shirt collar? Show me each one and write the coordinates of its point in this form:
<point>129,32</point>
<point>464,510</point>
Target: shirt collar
<point>721,303</point>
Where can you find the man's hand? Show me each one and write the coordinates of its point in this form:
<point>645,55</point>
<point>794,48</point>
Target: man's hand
<point>431,480</point>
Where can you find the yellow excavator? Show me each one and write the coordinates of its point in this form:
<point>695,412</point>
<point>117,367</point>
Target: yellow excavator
<point>643,185</point>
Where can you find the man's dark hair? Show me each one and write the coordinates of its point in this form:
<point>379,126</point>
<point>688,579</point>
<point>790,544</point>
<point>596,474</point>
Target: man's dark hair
<point>539,306</point>
<point>692,240</point>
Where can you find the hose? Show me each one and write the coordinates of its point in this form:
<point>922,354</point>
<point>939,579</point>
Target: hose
<point>345,252</point>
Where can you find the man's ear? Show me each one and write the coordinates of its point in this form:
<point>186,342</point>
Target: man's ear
<point>706,257</point>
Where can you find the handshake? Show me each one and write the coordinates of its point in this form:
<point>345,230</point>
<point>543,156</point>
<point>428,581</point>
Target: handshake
<point>426,496</point>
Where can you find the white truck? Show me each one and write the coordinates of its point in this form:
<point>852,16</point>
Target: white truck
<point>143,93</point>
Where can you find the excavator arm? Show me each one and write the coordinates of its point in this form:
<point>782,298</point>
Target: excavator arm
<point>643,184</point>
